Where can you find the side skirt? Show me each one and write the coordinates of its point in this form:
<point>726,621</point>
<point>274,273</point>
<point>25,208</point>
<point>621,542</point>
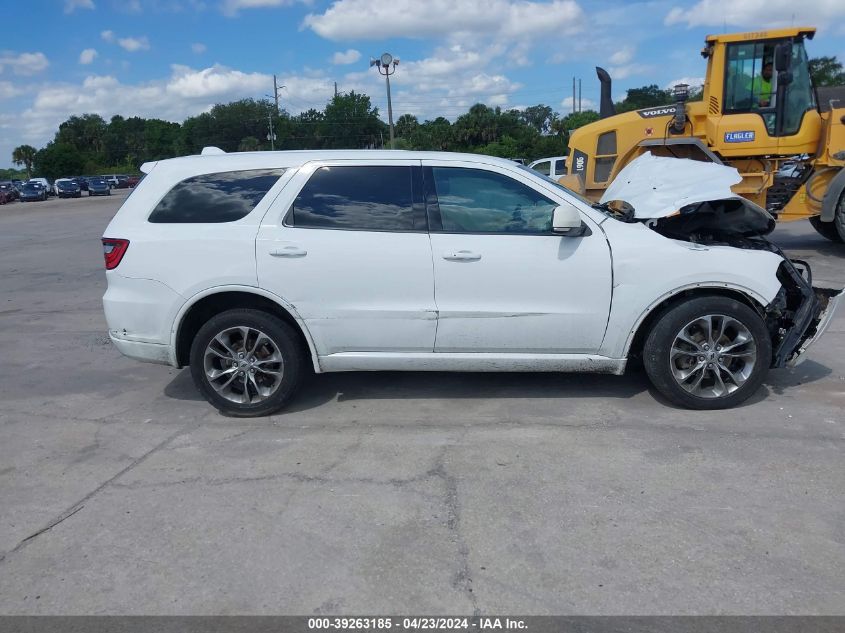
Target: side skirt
<point>436,361</point>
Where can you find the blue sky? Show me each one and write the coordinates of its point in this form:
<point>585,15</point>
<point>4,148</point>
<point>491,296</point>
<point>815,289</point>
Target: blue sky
<point>175,58</point>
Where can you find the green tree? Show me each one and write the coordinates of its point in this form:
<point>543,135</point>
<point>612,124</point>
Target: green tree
<point>85,132</point>
<point>24,155</point>
<point>406,125</point>
<point>573,121</point>
<point>540,117</point>
<point>249,144</point>
<point>645,97</point>
<point>58,160</point>
<point>826,71</point>
<point>350,121</point>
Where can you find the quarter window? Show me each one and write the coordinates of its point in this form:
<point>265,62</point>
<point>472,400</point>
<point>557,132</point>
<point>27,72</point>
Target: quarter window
<point>364,198</point>
<point>215,198</point>
<point>479,201</point>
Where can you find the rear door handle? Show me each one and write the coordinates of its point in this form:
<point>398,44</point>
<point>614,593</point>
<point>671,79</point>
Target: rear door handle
<point>289,251</point>
<point>462,256</point>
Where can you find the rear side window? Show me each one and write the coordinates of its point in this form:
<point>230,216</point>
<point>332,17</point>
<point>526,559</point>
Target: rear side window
<point>364,198</point>
<point>214,198</point>
<point>560,166</point>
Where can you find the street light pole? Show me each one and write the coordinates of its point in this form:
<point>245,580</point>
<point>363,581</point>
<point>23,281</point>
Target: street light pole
<point>386,65</point>
<point>390,112</point>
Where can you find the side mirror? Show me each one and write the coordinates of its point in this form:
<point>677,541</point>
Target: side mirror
<point>783,56</point>
<point>566,220</point>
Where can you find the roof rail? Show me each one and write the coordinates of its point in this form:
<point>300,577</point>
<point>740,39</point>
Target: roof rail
<point>211,151</point>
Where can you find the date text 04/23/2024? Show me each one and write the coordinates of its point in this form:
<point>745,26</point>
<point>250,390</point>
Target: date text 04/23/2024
<point>416,623</point>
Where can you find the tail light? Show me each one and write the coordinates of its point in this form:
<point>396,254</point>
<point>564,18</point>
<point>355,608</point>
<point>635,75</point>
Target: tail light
<point>113,251</point>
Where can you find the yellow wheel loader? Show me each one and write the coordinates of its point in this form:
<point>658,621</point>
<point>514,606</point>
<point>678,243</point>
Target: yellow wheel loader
<point>760,114</point>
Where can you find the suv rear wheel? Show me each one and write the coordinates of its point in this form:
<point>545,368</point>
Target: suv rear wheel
<point>708,353</point>
<point>247,363</point>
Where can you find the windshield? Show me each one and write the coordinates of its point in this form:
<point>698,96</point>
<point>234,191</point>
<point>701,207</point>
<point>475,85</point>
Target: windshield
<point>551,180</point>
<point>31,187</point>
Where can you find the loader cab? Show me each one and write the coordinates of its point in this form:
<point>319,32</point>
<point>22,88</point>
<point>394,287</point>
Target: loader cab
<point>768,104</point>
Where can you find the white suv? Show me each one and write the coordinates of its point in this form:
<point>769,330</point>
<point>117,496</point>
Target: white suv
<point>253,267</point>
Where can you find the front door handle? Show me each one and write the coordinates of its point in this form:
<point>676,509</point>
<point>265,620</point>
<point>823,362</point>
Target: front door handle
<point>462,256</point>
<point>289,251</point>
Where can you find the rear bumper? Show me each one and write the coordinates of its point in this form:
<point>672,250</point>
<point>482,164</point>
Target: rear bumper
<point>146,352</point>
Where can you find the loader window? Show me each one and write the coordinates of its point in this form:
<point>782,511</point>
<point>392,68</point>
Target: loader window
<point>799,94</point>
<point>750,77</point>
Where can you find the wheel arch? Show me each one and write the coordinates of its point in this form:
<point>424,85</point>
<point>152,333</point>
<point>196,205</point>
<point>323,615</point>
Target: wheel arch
<point>638,334</point>
<point>206,304</point>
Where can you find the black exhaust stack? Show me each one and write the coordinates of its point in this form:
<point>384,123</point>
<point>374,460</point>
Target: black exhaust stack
<point>606,108</point>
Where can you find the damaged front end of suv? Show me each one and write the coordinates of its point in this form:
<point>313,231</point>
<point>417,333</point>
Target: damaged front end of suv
<point>692,201</point>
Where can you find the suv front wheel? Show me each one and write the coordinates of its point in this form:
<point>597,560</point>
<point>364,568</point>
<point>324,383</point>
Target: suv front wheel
<point>247,363</point>
<point>708,353</point>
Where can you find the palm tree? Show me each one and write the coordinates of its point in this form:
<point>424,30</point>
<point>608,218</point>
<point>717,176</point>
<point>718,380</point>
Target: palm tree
<point>24,155</point>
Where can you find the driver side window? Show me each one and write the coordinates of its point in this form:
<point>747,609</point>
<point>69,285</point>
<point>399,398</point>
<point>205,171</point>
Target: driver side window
<point>479,201</point>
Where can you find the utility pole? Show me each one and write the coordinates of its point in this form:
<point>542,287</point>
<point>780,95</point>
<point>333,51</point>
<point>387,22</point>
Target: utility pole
<point>579,94</point>
<point>386,65</point>
<point>335,90</point>
<point>271,136</point>
<point>276,93</point>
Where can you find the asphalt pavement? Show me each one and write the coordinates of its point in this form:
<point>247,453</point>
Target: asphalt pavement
<point>123,492</point>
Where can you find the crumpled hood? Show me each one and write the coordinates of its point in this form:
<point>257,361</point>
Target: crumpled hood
<point>657,186</point>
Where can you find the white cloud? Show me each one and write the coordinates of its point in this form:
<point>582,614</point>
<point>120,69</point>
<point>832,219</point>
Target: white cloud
<point>199,48</point>
<point>130,44</point>
<point>364,19</point>
<point>629,70</point>
<point>214,82</point>
<point>231,7</point>
<point>9,90</point>
<point>622,56</point>
<point>566,105</point>
<point>87,56</point>
<point>349,57</point>
<point>73,5</point>
<point>133,44</point>
<point>693,82</point>
<point>757,13</point>
<point>23,63</point>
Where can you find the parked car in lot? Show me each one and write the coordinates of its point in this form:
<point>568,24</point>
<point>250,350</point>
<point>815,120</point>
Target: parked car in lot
<point>66,188</point>
<point>33,191</point>
<point>43,182</point>
<point>10,190</point>
<point>98,187</point>
<point>554,166</point>
<point>251,267</point>
<point>132,181</point>
<point>6,195</point>
<point>82,181</point>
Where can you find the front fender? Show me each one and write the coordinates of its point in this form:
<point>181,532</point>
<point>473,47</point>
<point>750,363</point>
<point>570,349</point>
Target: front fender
<point>649,268</point>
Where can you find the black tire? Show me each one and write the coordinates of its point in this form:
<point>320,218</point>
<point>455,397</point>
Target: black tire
<point>826,229</point>
<point>281,335</point>
<point>659,364</point>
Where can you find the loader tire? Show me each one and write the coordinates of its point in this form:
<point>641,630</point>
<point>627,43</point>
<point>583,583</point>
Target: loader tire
<point>827,230</point>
